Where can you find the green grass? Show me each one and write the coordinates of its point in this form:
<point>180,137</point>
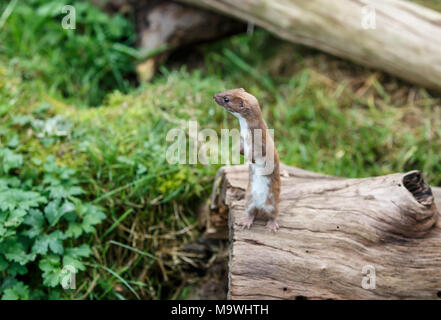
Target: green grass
<point>329,116</point>
<point>332,116</point>
<point>432,4</point>
<point>83,63</point>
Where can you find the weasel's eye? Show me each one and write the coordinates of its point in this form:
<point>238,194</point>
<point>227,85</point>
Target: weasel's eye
<point>226,99</point>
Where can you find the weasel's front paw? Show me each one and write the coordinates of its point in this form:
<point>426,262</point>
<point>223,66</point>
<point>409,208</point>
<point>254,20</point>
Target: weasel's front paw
<point>247,222</point>
<point>272,225</point>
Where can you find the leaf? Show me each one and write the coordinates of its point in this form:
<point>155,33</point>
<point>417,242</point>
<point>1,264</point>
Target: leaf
<point>92,216</point>
<point>36,161</point>
<point>50,9</point>
<point>35,220</point>
<point>11,199</point>
<point>41,245</point>
<point>16,268</point>
<point>73,262</point>
<point>50,165</point>
<point>19,291</point>
<point>71,216</point>
<point>53,211</point>
<point>13,142</point>
<point>56,241</point>
<point>67,207</point>
<point>66,173</point>
<point>15,251</point>
<point>3,264</point>
<point>10,159</point>
<point>51,267</point>
<point>56,192</point>
<point>15,217</point>
<point>72,256</point>
<point>59,191</point>
<point>53,241</point>
<point>21,120</point>
<point>6,232</point>
<point>80,251</point>
<point>75,191</point>
<point>74,230</point>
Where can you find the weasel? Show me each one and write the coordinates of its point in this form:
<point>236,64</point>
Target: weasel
<point>263,191</point>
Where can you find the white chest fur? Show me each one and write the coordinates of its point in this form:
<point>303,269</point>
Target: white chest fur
<point>259,187</point>
<point>245,133</point>
<point>259,183</point>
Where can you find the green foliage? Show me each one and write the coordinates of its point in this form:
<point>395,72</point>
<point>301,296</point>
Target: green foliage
<point>18,291</point>
<point>432,4</point>
<point>40,216</point>
<point>318,127</point>
<point>81,64</point>
<point>62,166</point>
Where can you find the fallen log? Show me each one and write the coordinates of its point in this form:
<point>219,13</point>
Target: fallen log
<point>334,232</point>
<point>164,25</point>
<point>399,37</point>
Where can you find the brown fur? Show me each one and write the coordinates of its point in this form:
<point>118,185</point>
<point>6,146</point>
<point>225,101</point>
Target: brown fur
<point>247,106</point>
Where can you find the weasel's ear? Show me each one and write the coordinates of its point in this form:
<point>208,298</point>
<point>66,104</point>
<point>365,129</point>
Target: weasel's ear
<point>242,89</point>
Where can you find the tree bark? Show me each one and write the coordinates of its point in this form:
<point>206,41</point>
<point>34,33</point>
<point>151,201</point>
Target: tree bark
<point>169,25</point>
<point>405,42</point>
<point>163,26</point>
<point>334,232</point>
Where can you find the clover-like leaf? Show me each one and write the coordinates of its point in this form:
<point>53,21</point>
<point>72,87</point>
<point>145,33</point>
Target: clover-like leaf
<point>53,241</point>
<point>15,268</point>
<point>74,230</point>
<point>54,211</point>
<point>11,199</point>
<point>92,216</point>
<point>19,291</point>
<point>14,250</point>
<point>10,160</point>
<point>80,251</point>
<point>35,220</point>
<point>56,241</point>
<point>51,267</point>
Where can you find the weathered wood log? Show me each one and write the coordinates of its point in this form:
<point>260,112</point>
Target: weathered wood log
<point>163,26</point>
<point>405,42</point>
<point>332,230</point>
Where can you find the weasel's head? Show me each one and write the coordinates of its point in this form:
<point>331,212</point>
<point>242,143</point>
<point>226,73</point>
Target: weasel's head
<point>239,103</point>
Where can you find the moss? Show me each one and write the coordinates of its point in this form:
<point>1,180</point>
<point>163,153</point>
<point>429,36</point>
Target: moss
<point>329,116</point>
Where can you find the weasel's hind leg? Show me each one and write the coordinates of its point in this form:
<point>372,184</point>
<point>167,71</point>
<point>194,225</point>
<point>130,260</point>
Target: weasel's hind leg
<point>272,225</point>
<point>246,222</point>
<point>272,214</point>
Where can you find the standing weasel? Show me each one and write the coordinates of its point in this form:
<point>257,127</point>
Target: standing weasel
<point>263,191</point>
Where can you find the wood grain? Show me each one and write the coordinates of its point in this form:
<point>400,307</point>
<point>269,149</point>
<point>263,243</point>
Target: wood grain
<point>405,42</point>
<point>330,228</point>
